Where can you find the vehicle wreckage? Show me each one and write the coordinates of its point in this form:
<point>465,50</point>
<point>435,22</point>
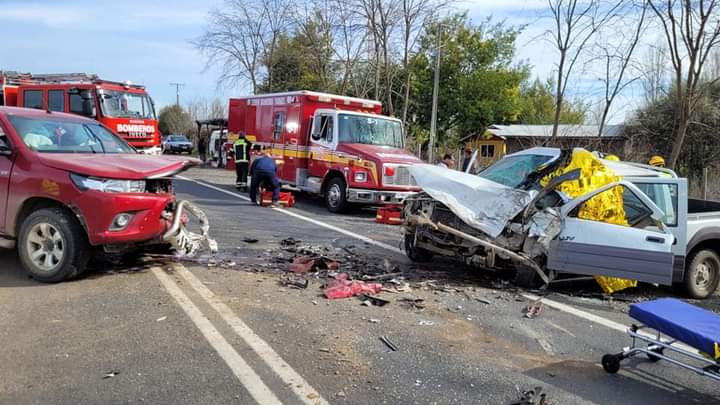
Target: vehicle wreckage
<point>545,211</point>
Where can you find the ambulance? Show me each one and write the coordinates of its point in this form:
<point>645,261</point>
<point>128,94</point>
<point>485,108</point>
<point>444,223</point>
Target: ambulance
<point>338,147</point>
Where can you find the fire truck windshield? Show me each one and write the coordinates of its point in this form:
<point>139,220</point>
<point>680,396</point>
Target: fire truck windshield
<point>370,130</point>
<point>120,104</point>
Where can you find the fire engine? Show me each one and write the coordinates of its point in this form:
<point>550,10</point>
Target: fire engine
<point>125,108</point>
<point>336,146</point>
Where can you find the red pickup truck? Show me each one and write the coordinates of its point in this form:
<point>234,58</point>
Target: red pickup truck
<point>68,185</point>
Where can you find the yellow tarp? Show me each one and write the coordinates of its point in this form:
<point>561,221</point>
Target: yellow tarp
<point>606,207</point>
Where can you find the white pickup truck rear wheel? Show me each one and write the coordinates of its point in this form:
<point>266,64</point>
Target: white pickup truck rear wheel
<point>52,245</point>
<point>702,275</point>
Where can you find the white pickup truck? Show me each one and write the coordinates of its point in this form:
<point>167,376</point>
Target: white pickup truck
<point>503,216</point>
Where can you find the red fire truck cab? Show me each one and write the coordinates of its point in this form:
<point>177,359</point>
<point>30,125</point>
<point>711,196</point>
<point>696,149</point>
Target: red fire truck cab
<point>126,109</point>
<point>335,146</point>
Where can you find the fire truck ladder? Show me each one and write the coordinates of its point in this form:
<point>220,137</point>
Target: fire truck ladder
<point>15,78</point>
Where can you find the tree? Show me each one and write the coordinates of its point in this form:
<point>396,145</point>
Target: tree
<point>691,29</point>
<point>173,119</point>
<point>654,74</point>
<point>537,105</point>
<point>652,129</point>
<point>575,23</point>
<point>616,54</point>
<point>415,13</point>
<point>233,40</point>
<point>304,60</point>
<point>479,85</point>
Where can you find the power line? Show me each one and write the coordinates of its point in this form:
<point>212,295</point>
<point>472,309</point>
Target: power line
<point>177,92</point>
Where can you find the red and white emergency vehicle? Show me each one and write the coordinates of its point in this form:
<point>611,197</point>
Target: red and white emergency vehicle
<point>335,146</point>
<point>126,109</point>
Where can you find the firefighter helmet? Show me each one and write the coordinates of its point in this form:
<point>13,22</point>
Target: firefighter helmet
<point>613,158</point>
<point>657,161</point>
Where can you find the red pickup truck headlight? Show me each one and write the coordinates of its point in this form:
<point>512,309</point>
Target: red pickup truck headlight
<point>108,185</point>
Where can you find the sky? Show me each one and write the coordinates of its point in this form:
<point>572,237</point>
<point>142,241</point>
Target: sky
<point>148,42</point>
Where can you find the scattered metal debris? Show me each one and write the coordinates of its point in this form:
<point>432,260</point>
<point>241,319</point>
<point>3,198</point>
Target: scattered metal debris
<point>378,302</point>
<point>388,343</point>
<point>294,282</point>
<point>534,309</point>
<point>250,240</point>
<point>534,396</point>
<point>413,303</point>
<point>110,374</point>
<point>426,323</point>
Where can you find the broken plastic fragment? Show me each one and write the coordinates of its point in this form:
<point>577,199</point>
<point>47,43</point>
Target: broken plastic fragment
<point>341,287</point>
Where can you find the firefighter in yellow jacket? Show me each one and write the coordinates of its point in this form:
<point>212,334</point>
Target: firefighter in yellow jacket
<point>241,150</point>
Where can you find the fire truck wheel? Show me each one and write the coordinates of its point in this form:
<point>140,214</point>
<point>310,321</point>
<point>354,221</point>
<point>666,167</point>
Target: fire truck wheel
<point>52,245</point>
<point>336,195</point>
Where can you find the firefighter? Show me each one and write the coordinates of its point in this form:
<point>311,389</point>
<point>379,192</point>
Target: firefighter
<point>241,150</point>
<point>447,162</point>
<point>657,161</point>
<point>612,158</point>
<point>264,171</point>
<point>202,148</point>
<point>467,154</point>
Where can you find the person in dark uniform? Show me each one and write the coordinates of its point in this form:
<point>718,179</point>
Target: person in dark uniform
<point>264,171</point>
<point>466,159</point>
<point>202,148</point>
<point>241,150</point>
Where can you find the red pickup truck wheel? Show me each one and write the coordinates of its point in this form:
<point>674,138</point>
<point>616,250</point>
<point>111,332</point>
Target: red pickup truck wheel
<point>52,246</point>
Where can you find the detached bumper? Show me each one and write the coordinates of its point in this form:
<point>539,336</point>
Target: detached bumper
<point>359,195</point>
<point>185,242</point>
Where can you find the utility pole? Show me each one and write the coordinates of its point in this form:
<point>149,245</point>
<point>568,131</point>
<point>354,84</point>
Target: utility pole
<point>177,92</point>
<point>436,89</point>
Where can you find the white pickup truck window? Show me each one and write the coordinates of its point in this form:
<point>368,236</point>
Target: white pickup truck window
<point>665,196</point>
<point>637,214</point>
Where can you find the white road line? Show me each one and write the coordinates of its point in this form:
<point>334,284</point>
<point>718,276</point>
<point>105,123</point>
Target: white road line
<point>304,218</point>
<point>553,304</point>
<point>249,379</point>
<point>294,381</point>
<point>597,319</point>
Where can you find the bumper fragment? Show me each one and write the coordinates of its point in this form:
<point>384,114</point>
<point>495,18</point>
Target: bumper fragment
<point>185,242</point>
<point>359,195</point>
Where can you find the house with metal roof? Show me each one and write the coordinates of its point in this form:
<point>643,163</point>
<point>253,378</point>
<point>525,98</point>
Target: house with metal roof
<point>499,140</point>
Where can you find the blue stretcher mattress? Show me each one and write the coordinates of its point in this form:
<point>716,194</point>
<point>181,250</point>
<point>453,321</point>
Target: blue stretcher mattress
<point>687,323</point>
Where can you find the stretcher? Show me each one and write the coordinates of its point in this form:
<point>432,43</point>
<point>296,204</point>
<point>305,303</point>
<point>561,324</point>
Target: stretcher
<point>690,332</point>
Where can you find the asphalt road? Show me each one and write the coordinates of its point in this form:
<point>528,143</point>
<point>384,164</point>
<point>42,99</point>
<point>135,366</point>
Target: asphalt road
<point>223,329</point>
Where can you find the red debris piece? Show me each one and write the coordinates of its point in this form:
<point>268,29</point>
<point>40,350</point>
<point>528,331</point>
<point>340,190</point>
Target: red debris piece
<point>302,264</point>
<point>342,287</point>
<point>287,199</point>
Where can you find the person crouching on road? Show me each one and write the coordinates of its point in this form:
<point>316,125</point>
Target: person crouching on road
<point>448,161</point>
<point>264,171</point>
<point>241,150</point>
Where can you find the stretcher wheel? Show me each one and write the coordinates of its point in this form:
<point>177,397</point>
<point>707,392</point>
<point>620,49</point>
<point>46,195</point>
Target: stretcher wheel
<point>611,363</point>
<point>652,357</point>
